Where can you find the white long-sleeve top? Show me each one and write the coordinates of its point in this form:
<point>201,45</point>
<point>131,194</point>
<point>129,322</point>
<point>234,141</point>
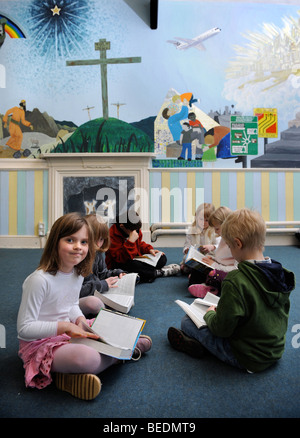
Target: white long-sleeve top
<point>223,258</point>
<point>196,238</point>
<point>47,299</point>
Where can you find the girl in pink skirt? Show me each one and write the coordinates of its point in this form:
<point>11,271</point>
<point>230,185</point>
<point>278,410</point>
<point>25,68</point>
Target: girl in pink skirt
<point>50,315</point>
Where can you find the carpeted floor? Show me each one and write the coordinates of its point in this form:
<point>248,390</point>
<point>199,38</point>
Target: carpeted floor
<point>164,384</point>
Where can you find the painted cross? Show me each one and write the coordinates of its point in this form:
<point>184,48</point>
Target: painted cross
<point>103,45</point>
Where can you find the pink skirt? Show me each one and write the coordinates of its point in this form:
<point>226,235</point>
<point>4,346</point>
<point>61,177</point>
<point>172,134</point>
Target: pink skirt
<point>37,357</point>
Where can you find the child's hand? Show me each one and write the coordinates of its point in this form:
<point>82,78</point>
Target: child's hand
<point>133,236</point>
<point>154,251</point>
<point>76,331</point>
<point>206,248</point>
<point>111,281</point>
<point>211,308</point>
<point>209,260</point>
<point>122,274</point>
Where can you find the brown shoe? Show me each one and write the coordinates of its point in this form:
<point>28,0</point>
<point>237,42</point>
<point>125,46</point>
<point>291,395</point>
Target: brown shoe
<point>181,342</point>
<point>83,386</point>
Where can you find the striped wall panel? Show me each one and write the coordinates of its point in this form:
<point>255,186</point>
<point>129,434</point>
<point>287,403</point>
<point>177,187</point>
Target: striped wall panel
<point>175,196</point>
<point>23,201</point>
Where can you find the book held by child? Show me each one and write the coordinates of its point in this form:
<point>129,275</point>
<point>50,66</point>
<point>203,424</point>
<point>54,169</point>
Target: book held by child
<point>198,308</point>
<point>118,334</point>
<point>120,298</point>
<point>150,259</point>
<point>194,259</point>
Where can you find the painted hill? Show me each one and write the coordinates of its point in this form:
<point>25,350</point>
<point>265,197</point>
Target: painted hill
<point>101,135</point>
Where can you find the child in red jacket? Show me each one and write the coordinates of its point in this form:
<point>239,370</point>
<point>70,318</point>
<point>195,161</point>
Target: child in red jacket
<point>126,243</point>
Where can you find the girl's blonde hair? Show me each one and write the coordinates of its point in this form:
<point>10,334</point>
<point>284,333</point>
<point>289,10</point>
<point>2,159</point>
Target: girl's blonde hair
<point>100,230</point>
<point>219,216</point>
<point>207,210</point>
<point>246,225</point>
<point>64,226</point>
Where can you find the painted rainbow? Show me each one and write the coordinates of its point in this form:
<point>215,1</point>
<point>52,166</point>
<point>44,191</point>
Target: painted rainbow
<point>12,29</point>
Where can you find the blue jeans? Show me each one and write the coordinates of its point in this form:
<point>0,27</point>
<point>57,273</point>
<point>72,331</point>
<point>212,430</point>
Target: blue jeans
<point>186,147</point>
<point>219,347</point>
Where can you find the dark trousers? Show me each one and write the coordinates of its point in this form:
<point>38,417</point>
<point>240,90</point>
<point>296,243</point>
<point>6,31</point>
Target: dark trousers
<point>145,271</point>
<point>198,277</point>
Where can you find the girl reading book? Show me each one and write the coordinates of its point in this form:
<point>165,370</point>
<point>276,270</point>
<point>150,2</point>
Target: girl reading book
<point>222,262</point>
<point>200,235</point>
<point>49,315</point>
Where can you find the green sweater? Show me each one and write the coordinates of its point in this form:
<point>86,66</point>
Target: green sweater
<point>253,313</point>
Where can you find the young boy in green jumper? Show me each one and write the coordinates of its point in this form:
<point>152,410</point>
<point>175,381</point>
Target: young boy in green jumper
<point>248,328</point>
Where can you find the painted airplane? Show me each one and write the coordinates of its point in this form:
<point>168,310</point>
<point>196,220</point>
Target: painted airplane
<point>196,43</point>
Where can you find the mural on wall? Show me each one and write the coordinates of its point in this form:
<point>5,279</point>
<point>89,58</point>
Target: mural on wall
<point>96,78</point>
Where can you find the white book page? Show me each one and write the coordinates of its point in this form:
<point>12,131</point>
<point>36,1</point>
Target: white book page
<point>196,255</point>
<point>123,300</point>
<point>149,258</point>
<point>195,312</point>
<point>209,300</point>
<point>117,330</point>
<point>125,285</point>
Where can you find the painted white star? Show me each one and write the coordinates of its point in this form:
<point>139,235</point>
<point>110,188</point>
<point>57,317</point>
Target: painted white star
<point>56,10</point>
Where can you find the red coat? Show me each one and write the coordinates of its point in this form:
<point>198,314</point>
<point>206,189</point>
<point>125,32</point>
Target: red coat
<point>122,250</point>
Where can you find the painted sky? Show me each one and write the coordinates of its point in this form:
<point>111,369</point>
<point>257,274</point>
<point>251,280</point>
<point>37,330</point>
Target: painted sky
<point>36,68</point>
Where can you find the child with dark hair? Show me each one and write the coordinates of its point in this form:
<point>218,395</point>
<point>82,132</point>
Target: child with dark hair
<point>102,278</point>
<point>126,243</point>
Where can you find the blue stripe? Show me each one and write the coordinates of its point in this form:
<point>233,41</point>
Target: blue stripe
<point>281,197</point>
<point>224,189</point>
<point>249,189</point>
<point>182,183</point>
<point>21,203</point>
<point>4,187</point>
<point>208,187</point>
<point>257,191</point>
<point>273,196</point>
<point>175,198</point>
<point>296,197</point>
<point>155,197</point>
<point>30,203</point>
<point>232,191</point>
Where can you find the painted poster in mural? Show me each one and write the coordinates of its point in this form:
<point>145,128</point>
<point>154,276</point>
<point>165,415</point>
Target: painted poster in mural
<point>267,122</point>
<point>92,76</point>
<point>244,135</point>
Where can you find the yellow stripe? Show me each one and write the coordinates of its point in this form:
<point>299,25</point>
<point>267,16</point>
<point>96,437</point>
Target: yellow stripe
<point>240,190</point>
<point>265,196</point>
<point>13,203</point>
<point>289,193</point>
<point>216,186</point>
<point>165,197</point>
<point>38,199</point>
<point>191,196</point>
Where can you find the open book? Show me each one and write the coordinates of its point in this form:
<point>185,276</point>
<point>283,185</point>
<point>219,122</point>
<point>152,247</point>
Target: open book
<point>198,308</point>
<point>194,260</point>
<point>118,333</point>
<point>120,298</point>
<point>149,258</point>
